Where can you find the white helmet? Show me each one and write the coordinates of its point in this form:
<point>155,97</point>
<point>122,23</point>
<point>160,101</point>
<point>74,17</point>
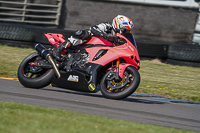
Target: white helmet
<point>122,24</point>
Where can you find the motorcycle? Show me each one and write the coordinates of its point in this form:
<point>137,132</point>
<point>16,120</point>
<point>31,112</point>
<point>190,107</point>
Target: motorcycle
<point>97,65</point>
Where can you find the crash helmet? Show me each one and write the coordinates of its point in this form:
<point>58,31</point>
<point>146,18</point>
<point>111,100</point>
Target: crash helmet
<point>122,24</point>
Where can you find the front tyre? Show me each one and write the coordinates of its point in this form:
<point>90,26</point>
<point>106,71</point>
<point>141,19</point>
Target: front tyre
<point>113,89</point>
<point>34,76</point>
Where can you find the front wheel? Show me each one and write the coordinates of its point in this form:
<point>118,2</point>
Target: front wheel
<point>114,89</point>
<point>34,76</point>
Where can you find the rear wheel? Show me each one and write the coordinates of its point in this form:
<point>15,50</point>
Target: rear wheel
<point>33,76</point>
<point>120,89</point>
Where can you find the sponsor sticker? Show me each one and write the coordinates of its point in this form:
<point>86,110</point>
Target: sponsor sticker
<point>73,78</point>
<point>131,48</point>
<point>91,87</point>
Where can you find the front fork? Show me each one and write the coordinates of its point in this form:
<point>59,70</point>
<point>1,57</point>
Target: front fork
<point>120,68</point>
<point>118,72</point>
<point>117,69</point>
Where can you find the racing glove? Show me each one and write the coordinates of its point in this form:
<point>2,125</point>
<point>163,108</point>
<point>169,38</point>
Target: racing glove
<point>115,39</point>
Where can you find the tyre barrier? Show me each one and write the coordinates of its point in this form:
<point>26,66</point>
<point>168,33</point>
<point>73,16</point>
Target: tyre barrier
<point>152,49</point>
<point>28,33</point>
<point>17,32</point>
<point>16,43</point>
<point>27,36</point>
<point>184,55</point>
<point>182,63</point>
<point>184,52</point>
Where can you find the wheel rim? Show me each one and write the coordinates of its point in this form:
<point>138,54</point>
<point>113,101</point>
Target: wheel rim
<point>33,71</point>
<point>114,86</point>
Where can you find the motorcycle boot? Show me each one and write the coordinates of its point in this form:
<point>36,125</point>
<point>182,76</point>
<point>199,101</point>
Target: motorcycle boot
<point>57,51</point>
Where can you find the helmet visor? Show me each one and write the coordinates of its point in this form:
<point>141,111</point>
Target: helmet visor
<point>126,31</point>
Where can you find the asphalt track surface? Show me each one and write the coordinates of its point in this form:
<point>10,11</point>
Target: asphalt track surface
<point>131,109</point>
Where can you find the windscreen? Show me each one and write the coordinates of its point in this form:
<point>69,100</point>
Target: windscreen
<point>130,37</point>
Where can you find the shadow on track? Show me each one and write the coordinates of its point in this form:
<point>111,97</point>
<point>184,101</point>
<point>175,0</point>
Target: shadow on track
<point>99,95</point>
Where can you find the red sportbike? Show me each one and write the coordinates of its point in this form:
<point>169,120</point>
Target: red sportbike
<point>96,65</point>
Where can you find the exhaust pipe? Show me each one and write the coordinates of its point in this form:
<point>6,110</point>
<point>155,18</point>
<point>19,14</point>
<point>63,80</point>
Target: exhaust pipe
<point>46,54</point>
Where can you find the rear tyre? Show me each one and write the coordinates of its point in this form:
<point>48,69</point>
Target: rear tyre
<point>120,89</point>
<point>34,76</point>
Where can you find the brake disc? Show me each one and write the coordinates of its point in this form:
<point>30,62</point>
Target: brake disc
<point>117,85</point>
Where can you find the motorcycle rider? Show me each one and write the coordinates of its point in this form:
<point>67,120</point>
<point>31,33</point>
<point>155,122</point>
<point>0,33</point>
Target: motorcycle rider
<point>121,24</point>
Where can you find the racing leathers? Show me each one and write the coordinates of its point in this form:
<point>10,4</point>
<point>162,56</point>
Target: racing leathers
<point>102,30</point>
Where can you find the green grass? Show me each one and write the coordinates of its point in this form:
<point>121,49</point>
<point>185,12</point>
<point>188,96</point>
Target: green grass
<point>10,59</point>
<point>179,82</point>
<point>20,118</point>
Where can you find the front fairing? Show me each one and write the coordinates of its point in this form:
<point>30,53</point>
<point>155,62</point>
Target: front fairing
<point>126,51</point>
<point>130,45</point>
<point>99,40</point>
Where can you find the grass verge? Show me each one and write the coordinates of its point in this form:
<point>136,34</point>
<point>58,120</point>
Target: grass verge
<point>179,82</point>
<point>20,118</point>
<point>10,59</point>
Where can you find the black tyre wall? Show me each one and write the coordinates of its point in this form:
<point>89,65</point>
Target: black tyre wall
<point>152,49</point>
<point>183,63</point>
<point>184,52</point>
<point>28,33</point>
<point>18,32</point>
